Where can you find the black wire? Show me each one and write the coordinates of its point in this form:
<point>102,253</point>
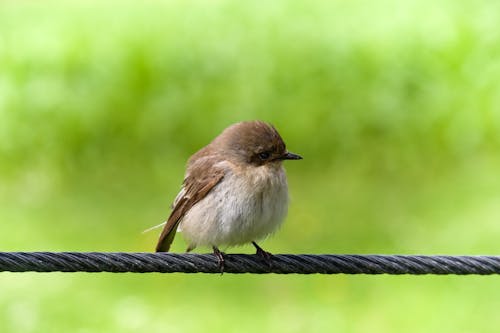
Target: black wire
<point>121,262</point>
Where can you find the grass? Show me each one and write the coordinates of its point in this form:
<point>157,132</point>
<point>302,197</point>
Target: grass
<point>394,106</point>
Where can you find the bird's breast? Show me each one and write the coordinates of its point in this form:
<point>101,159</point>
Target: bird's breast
<point>257,204</point>
<point>247,205</point>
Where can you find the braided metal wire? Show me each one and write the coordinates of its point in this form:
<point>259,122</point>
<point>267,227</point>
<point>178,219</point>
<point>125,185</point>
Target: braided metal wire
<point>122,262</point>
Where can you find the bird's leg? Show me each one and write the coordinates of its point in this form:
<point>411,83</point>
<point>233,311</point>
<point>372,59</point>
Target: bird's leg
<point>267,256</point>
<point>220,257</point>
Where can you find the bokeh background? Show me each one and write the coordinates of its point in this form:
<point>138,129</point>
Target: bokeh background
<point>395,106</point>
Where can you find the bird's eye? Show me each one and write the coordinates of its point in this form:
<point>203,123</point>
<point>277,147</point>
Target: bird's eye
<point>264,156</point>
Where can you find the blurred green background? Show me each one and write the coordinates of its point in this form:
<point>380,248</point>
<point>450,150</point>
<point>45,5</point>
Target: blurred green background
<point>395,106</point>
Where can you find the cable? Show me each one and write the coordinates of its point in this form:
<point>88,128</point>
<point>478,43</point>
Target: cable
<point>122,262</point>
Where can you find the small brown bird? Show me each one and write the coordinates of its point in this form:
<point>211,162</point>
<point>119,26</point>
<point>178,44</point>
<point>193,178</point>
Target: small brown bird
<point>234,191</point>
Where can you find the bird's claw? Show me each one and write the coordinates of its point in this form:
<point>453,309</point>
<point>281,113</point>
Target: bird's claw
<point>220,258</point>
<point>267,256</point>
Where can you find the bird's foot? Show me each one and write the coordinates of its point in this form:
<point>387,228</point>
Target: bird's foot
<point>267,256</point>
<point>220,257</point>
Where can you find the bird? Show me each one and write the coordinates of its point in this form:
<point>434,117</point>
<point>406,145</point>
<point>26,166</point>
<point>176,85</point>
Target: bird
<point>234,192</point>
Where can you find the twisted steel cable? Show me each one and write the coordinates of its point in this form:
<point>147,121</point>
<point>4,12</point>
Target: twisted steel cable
<point>122,262</point>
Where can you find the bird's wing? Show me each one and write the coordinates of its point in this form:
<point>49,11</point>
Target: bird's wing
<point>201,178</point>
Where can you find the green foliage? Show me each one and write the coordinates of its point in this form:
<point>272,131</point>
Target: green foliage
<point>394,106</point>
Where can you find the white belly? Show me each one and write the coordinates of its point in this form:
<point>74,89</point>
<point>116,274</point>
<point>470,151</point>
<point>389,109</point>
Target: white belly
<point>242,208</point>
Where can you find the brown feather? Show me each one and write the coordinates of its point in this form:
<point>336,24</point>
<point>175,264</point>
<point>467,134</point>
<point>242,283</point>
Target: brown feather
<point>201,178</point>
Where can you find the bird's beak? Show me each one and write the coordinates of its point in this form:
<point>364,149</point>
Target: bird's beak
<point>291,156</point>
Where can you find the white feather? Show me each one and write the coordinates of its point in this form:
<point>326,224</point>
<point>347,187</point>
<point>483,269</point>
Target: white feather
<point>155,227</point>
